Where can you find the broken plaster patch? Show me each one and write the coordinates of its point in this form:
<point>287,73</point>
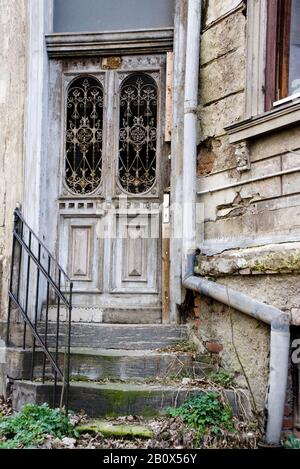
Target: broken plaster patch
<point>280,258</point>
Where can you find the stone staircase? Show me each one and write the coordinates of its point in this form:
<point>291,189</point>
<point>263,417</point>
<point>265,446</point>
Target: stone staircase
<point>116,370</point>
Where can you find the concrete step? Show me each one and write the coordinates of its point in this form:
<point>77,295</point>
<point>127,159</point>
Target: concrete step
<point>94,314</point>
<point>119,336</point>
<point>115,399</point>
<point>114,364</point>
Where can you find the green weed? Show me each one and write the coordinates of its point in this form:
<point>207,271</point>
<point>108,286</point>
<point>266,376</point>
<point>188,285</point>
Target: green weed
<point>29,427</point>
<point>205,412</point>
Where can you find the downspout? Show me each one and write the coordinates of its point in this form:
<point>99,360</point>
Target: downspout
<point>277,319</point>
<point>279,346</point>
<point>190,131</point>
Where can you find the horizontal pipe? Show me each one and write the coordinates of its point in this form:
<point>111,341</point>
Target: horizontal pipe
<point>249,181</point>
<point>279,345</point>
<point>237,300</point>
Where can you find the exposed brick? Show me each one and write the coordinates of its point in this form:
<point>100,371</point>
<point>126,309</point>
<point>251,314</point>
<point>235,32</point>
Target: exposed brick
<point>288,423</point>
<point>206,158</point>
<point>214,347</point>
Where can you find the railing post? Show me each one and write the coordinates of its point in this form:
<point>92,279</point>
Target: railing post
<point>37,290</point>
<point>27,287</point>
<point>12,265</point>
<point>57,336</point>
<point>69,349</point>
<point>46,318</point>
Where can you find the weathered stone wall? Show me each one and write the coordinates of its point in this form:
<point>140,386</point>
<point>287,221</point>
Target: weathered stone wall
<point>12,100</point>
<point>234,338</point>
<point>250,231</point>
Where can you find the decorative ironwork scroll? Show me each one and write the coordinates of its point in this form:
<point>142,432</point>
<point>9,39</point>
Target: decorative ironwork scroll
<point>138,133</point>
<point>83,164</point>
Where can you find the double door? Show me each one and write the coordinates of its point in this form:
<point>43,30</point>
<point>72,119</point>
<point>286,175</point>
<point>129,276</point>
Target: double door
<point>107,141</point>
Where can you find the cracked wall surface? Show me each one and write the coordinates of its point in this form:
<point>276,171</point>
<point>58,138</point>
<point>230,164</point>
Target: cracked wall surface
<point>12,101</point>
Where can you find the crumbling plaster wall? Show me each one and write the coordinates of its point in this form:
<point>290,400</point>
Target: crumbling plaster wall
<point>12,100</point>
<point>244,224</point>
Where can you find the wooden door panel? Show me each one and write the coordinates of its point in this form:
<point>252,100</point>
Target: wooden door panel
<point>80,246</point>
<point>135,256</point>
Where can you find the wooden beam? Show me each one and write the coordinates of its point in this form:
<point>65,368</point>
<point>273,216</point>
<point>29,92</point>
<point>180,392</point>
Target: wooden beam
<point>169,97</point>
<point>166,260</point>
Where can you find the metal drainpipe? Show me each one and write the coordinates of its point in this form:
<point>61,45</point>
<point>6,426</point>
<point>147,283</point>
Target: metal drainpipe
<point>190,131</point>
<point>279,346</point>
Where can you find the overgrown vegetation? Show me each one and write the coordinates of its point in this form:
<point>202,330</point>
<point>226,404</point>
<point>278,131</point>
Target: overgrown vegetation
<point>222,378</point>
<point>205,412</point>
<point>183,346</point>
<point>29,427</point>
<point>292,442</point>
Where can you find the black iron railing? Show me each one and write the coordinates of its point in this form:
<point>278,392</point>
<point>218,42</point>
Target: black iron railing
<point>39,287</point>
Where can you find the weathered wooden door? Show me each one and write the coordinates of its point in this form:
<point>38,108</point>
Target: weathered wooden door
<point>112,156</point>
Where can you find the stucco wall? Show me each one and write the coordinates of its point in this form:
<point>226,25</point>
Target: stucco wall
<point>264,213</point>
<point>12,100</point>
<point>234,338</point>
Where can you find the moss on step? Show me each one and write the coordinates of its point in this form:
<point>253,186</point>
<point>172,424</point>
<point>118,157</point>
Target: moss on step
<point>126,399</point>
<point>118,431</point>
<point>277,262</point>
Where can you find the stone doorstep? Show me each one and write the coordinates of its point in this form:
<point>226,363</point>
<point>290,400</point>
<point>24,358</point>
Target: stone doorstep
<point>99,364</point>
<point>96,315</point>
<point>115,399</point>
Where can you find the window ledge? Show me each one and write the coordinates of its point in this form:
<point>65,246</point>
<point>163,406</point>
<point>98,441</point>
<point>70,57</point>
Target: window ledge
<point>272,120</point>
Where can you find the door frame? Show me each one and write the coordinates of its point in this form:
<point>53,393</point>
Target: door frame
<point>37,206</point>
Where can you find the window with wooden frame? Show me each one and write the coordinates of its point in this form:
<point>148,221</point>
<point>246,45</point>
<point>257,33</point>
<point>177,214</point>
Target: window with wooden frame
<point>283,52</point>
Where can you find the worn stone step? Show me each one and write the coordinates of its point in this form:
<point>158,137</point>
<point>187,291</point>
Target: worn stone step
<point>119,336</point>
<point>115,399</point>
<point>99,364</point>
<point>99,335</point>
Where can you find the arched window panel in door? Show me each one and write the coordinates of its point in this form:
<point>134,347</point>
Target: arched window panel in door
<point>138,133</point>
<point>84,134</point>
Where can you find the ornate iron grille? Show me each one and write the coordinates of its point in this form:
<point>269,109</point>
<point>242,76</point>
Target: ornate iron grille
<point>138,133</point>
<point>83,164</point>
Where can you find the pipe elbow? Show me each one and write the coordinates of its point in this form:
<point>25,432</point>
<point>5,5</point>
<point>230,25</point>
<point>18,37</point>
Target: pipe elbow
<point>281,323</point>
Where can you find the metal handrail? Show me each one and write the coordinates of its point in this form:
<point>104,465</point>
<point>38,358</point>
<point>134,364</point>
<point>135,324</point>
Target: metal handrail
<point>18,214</point>
<point>26,295</point>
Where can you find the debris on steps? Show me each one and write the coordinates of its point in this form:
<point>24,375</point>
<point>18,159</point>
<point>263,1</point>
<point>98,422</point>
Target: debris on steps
<point>122,370</point>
